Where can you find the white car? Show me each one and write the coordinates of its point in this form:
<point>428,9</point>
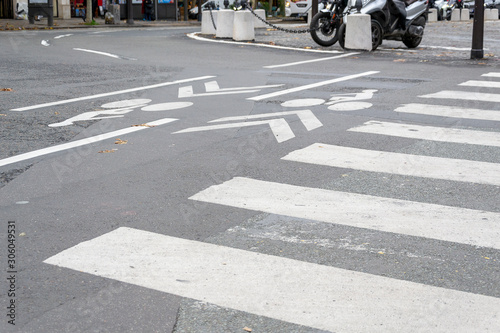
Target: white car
<point>299,8</point>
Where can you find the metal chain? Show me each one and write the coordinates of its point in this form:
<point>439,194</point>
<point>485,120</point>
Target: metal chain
<point>282,29</point>
<point>212,16</point>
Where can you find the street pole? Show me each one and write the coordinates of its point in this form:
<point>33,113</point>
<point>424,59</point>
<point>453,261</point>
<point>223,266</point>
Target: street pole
<point>478,31</point>
<point>130,15</point>
<point>314,9</point>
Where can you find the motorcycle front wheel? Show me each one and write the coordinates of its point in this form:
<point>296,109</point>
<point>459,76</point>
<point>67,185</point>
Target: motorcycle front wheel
<point>324,30</point>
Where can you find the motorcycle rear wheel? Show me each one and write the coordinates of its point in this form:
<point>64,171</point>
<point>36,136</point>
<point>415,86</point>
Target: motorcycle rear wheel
<point>323,30</point>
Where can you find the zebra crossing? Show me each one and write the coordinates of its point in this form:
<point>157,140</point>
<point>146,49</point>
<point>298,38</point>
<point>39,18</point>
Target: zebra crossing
<point>323,296</point>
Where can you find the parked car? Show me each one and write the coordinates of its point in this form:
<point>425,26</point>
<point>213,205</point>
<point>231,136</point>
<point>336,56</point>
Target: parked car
<point>487,4</point>
<point>299,8</point>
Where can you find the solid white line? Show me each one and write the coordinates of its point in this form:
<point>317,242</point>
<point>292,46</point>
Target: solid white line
<point>463,95</point>
<point>98,52</point>
<point>450,111</point>
<point>61,36</point>
<point>482,84</point>
<point>306,117</point>
<point>318,296</point>
<point>400,164</point>
<point>194,36</point>
<point>279,127</point>
<point>72,100</point>
<point>492,74</point>
<point>310,86</point>
<point>82,142</point>
<point>452,224</point>
<point>310,61</point>
<point>445,48</point>
<point>431,133</point>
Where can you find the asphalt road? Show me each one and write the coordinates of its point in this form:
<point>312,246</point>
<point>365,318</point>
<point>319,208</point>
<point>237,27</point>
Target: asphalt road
<point>357,193</point>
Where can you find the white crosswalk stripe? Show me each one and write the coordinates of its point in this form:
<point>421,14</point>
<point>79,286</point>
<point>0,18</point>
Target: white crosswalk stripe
<point>401,164</point>
<point>363,211</point>
<point>449,111</point>
<point>313,295</point>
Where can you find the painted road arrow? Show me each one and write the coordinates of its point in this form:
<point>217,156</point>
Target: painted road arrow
<point>280,128</point>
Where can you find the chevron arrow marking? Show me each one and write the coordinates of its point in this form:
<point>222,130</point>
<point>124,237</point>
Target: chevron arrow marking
<point>280,128</point>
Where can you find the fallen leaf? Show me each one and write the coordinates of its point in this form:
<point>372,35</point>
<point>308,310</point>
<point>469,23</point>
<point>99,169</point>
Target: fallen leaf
<point>56,113</point>
<point>107,151</point>
<point>120,142</point>
<point>248,329</point>
<point>380,252</point>
<point>22,234</point>
<point>144,125</point>
<point>400,60</point>
<point>6,89</point>
<point>1,114</point>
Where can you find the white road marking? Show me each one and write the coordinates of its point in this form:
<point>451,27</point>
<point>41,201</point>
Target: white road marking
<point>400,164</point>
<point>62,36</point>
<point>213,89</point>
<point>463,95</point>
<point>450,111</point>
<point>194,36</point>
<point>492,74</point>
<point>306,117</point>
<point>280,128</point>
<point>460,225</point>
<point>482,84</point>
<point>445,48</point>
<point>82,142</point>
<point>303,102</point>
<point>350,106</point>
<point>213,86</point>
<point>318,296</point>
<point>167,106</point>
<point>104,54</point>
<point>185,92</point>
<point>430,133</point>
<point>45,43</point>
<point>310,86</point>
<point>126,91</point>
<point>310,61</point>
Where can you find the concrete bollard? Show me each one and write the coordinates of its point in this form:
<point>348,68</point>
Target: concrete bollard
<point>494,14</point>
<point>225,21</point>
<point>358,33</point>
<point>243,28</point>
<point>309,16</point>
<point>455,15</point>
<point>262,14</point>
<point>464,14</point>
<point>433,15</point>
<point>207,25</point>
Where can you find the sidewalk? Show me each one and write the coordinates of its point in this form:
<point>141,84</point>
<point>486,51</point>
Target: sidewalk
<point>77,22</point>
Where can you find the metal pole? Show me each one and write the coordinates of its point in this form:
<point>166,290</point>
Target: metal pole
<point>477,51</point>
<point>130,15</point>
<point>199,10</point>
<point>50,16</point>
<point>314,9</point>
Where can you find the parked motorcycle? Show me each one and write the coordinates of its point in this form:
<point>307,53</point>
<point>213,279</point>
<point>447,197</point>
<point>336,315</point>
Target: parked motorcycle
<point>392,20</point>
<point>325,24</point>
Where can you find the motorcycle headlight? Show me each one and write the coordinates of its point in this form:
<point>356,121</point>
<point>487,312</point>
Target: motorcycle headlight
<point>287,4</point>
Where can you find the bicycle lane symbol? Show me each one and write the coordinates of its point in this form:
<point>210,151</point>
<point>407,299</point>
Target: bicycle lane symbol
<point>120,108</point>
